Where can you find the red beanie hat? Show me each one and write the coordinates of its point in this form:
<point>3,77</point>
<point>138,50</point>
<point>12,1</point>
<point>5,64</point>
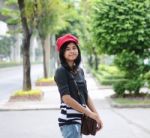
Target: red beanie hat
<point>64,39</point>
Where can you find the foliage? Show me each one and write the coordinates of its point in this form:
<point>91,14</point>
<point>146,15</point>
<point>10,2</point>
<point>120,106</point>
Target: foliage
<point>134,69</point>
<point>147,78</point>
<point>108,75</point>
<point>120,25</point>
<point>119,88</point>
<point>122,28</point>
<point>49,17</point>
<point>134,85</point>
<point>129,85</point>
<point>72,19</point>
<point>11,14</point>
<point>5,45</point>
<point>131,63</point>
<point>110,69</point>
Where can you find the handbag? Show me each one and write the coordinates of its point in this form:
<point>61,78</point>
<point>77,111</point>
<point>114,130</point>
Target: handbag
<point>88,125</point>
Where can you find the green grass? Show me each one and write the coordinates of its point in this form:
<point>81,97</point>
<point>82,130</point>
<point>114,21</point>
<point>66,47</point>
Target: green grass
<point>107,78</point>
<point>125,101</point>
<point>12,64</point>
<point>9,64</point>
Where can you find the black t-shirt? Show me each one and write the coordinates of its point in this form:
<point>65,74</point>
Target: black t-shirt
<point>66,86</point>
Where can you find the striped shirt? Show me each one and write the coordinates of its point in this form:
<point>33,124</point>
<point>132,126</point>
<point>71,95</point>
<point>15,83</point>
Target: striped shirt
<point>68,115</point>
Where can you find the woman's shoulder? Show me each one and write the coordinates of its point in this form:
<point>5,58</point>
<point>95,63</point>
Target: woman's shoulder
<point>60,74</point>
<point>80,69</point>
<point>60,70</point>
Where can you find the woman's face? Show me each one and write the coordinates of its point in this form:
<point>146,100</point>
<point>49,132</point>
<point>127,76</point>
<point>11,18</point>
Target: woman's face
<point>71,52</point>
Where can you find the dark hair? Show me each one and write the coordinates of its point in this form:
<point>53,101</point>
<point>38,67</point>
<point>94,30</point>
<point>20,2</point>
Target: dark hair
<point>63,60</point>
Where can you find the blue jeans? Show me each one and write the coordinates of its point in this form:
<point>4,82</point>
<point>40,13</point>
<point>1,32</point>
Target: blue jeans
<point>71,131</point>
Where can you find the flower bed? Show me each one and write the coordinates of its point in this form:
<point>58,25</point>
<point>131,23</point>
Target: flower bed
<point>32,95</point>
<point>45,82</point>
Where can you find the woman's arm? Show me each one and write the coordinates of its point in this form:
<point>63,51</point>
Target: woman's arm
<point>75,105</point>
<point>91,106</point>
<point>67,99</point>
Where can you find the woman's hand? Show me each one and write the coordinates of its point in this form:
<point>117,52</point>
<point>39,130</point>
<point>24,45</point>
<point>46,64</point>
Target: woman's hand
<point>99,123</point>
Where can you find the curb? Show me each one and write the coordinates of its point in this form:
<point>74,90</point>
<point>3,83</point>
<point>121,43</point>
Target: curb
<point>116,105</point>
<point>29,109</point>
<point>27,106</point>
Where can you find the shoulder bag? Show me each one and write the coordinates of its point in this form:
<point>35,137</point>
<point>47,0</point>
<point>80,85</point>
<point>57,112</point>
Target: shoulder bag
<point>88,125</point>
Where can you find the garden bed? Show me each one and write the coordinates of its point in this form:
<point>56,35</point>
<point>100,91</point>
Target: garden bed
<point>45,82</point>
<point>131,100</point>
<point>33,95</point>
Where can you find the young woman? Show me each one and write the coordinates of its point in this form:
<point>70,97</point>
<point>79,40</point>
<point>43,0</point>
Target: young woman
<point>66,76</point>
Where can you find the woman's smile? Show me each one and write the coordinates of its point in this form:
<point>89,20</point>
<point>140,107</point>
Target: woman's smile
<point>71,52</point>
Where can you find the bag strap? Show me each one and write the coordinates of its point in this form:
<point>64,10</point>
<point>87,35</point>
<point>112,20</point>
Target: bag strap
<point>79,94</point>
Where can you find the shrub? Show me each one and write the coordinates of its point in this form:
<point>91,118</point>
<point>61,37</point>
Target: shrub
<point>147,78</point>
<point>107,75</point>
<point>133,86</point>
<point>119,88</point>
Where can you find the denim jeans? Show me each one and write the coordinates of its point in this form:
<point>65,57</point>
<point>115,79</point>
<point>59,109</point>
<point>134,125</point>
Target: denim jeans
<point>71,131</point>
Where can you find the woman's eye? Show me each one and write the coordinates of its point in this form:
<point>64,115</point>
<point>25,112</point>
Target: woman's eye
<point>67,49</point>
<point>74,48</point>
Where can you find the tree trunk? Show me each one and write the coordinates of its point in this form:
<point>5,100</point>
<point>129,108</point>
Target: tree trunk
<point>96,61</point>
<point>44,59</point>
<point>26,64</point>
<point>53,55</point>
<point>26,48</point>
<point>46,55</point>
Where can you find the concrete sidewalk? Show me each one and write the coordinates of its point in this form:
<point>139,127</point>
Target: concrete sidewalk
<point>50,100</point>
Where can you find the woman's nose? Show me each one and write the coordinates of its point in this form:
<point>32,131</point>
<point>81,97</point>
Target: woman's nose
<point>72,50</point>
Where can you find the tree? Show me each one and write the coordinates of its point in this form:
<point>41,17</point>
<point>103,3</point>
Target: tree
<point>27,19</point>
<point>72,19</point>
<point>48,22</point>
<point>27,16</point>
<point>86,32</point>
<point>122,28</point>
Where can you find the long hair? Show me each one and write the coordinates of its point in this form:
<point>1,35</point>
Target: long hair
<point>63,60</point>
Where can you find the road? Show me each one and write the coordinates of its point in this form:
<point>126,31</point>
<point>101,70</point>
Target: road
<point>118,122</point>
<point>11,79</point>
